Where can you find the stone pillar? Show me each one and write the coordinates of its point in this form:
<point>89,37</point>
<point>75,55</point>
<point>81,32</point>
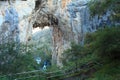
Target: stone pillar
<point>58,46</point>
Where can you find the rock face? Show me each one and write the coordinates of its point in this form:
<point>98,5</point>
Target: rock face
<point>74,21</point>
<point>69,20</point>
<point>15,20</point>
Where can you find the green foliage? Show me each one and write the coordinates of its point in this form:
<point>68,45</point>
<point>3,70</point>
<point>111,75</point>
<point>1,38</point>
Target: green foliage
<point>107,72</point>
<point>16,58</point>
<point>107,43</point>
<point>78,54</point>
<point>44,52</point>
<point>72,54</point>
<point>13,60</point>
<point>101,47</point>
<point>101,6</point>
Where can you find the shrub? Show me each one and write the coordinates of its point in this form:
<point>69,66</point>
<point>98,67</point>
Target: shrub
<point>13,60</point>
<point>101,6</point>
<point>72,54</point>
<point>107,43</point>
<point>77,55</point>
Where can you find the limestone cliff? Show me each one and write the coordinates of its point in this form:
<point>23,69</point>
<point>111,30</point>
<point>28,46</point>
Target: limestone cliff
<point>70,20</point>
<point>15,20</point>
<point>73,17</point>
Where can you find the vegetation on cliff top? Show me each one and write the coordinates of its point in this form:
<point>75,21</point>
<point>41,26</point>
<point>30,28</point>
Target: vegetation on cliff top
<point>101,6</point>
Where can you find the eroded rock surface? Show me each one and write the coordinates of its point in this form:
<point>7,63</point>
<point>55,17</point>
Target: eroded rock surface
<point>69,21</point>
<point>15,19</point>
<point>74,21</point>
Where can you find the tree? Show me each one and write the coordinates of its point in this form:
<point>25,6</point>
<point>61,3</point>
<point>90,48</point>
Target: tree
<point>107,43</point>
<point>13,61</point>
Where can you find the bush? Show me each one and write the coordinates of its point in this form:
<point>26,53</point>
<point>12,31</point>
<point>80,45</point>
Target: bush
<point>107,43</point>
<point>109,71</point>
<point>101,6</point>
<point>13,60</point>
<point>72,54</point>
